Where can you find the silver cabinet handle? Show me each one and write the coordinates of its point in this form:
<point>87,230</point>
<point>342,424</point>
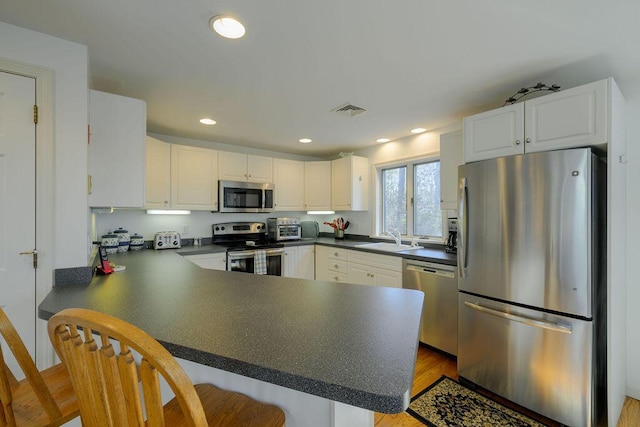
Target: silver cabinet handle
<point>528,140</point>
<point>556,327</point>
<point>517,142</point>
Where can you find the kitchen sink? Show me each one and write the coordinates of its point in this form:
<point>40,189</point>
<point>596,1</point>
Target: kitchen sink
<point>387,247</point>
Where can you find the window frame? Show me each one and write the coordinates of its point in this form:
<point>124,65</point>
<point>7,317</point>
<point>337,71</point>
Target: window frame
<point>410,164</point>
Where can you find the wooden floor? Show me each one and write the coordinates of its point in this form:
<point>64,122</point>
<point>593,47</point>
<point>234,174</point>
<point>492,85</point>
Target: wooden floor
<point>431,365</point>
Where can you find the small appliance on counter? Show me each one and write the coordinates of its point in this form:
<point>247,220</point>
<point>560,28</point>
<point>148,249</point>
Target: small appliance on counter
<point>451,244</point>
<point>167,240</point>
<point>309,229</point>
<point>279,229</point>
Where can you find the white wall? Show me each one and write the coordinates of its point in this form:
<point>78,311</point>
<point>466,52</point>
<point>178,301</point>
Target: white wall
<point>198,224</point>
<point>69,64</point>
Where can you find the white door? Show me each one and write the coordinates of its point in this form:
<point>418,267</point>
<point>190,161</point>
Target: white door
<point>17,206</point>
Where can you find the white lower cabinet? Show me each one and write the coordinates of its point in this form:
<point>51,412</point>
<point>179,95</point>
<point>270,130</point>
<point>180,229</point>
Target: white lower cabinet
<point>299,262</point>
<point>366,268</point>
<point>331,264</point>
<point>217,261</point>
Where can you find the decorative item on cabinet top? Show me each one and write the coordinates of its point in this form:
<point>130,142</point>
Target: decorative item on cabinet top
<point>526,91</point>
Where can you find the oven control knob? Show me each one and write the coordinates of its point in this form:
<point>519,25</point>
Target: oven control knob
<point>160,243</point>
<point>217,228</point>
<point>222,228</point>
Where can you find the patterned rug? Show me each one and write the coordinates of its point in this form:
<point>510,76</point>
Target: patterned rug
<point>446,403</point>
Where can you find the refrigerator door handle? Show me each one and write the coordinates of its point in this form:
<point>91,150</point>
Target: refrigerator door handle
<point>526,320</point>
<point>464,228</point>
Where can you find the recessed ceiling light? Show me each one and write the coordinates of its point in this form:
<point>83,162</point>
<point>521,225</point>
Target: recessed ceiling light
<point>227,26</point>
<point>305,140</point>
<point>207,121</point>
<point>381,140</point>
<point>418,130</point>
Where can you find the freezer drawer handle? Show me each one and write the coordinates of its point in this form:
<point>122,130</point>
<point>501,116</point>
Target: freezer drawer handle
<point>527,321</point>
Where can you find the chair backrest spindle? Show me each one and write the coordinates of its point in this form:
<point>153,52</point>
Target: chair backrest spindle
<point>107,383</point>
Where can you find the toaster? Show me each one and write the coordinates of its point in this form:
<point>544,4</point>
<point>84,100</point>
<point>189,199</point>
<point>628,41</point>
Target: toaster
<point>167,240</point>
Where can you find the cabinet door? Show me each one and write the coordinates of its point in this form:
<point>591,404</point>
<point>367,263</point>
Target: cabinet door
<point>450,159</point>
<point>306,262</point>
<point>359,274</point>
<point>350,184</point>
<point>232,166</point>
<point>341,184</point>
<point>317,186</point>
<point>259,169</point>
<point>116,157</point>
<point>382,277</point>
<point>289,183</point>
<point>494,133</point>
<point>158,162</point>
<point>194,173</point>
<point>290,262</point>
<point>575,117</point>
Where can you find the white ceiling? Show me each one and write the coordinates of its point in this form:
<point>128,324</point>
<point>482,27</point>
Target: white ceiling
<point>409,63</point>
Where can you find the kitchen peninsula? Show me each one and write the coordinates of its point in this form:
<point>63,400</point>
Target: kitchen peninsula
<point>327,353</point>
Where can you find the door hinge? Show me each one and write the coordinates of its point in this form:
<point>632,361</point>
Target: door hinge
<point>34,255</point>
<point>35,114</point>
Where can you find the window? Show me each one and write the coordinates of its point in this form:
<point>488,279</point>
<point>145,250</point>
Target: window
<point>410,199</point>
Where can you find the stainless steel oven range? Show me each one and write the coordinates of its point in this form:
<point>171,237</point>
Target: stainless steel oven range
<point>248,249</point>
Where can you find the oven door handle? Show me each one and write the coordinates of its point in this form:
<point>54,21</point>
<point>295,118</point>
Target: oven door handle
<point>252,253</point>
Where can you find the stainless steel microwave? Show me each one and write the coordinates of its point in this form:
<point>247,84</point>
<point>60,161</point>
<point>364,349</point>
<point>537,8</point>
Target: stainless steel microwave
<point>238,196</point>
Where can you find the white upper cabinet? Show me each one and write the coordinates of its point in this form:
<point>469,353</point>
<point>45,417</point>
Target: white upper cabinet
<point>350,184</point>
<point>450,158</point>
<point>570,118</point>
<point>245,167</point>
<point>289,185</point>
<point>575,117</point>
<point>494,133</point>
<point>158,168</point>
<point>317,186</point>
<point>194,178</point>
<point>116,151</point>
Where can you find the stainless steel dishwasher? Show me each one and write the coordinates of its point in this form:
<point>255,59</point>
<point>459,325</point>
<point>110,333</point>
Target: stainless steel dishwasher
<point>439,282</point>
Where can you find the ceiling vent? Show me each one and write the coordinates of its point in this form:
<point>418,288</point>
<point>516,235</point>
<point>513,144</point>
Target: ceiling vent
<point>349,110</point>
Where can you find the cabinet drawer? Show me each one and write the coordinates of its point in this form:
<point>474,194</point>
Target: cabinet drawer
<point>337,265</point>
<point>337,277</point>
<point>387,262</point>
<point>337,253</point>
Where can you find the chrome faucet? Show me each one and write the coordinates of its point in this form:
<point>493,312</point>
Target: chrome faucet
<point>395,233</point>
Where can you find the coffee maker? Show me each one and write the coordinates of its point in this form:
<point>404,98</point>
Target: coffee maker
<point>452,239</point>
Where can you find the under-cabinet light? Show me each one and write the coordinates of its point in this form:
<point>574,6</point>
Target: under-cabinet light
<point>320,212</point>
<point>167,212</point>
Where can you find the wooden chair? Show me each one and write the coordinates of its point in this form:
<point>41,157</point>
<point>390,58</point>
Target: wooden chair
<point>107,383</point>
<point>42,398</point>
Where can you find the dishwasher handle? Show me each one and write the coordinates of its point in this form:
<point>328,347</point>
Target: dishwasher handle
<point>430,269</point>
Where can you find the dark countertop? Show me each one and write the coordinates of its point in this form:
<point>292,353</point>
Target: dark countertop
<point>354,344</point>
<point>434,253</point>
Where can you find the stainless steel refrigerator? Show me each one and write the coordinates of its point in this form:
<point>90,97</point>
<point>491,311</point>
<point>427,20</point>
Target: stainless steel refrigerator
<point>531,281</point>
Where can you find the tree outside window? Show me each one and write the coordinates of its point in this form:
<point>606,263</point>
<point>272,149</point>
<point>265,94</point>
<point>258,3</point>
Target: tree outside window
<point>418,183</point>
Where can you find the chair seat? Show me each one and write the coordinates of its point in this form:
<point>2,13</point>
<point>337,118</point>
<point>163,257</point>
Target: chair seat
<point>227,408</point>
<point>27,408</point>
